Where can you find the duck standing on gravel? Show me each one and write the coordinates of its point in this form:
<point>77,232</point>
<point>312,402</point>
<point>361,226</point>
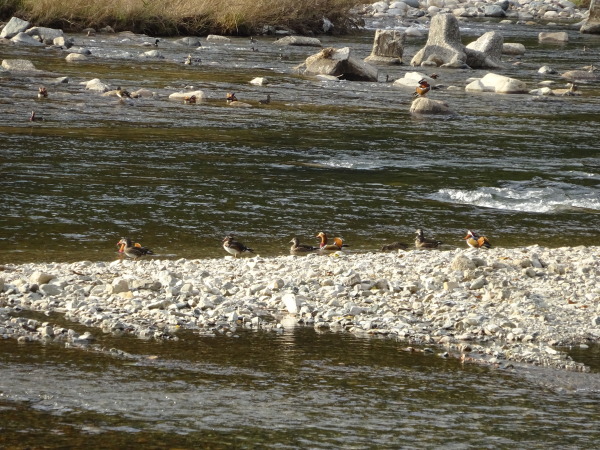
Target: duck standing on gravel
<point>133,251</point>
<point>422,242</point>
<point>476,241</point>
<point>234,247</point>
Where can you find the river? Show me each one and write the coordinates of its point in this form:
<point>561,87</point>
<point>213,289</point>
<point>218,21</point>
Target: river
<point>342,157</point>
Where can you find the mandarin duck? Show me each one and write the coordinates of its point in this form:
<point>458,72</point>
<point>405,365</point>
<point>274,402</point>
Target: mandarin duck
<point>476,241</point>
<point>122,93</point>
<point>189,99</point>
<point>338,243</point>
<point>133,251</point>
<point>231,97</point>
<point>34,118</point>
<point>300,249</point>
<point>234,247</point>
<point>42,92</point>
<point>422,242</point>
<point>422,89</point>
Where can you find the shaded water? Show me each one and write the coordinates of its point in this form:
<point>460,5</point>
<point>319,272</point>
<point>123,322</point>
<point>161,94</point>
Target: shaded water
<point>345,157</point>
<point>282,390</point>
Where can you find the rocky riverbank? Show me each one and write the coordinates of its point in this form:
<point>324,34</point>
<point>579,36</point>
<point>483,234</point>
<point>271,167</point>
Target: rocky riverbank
<point>499,307</point>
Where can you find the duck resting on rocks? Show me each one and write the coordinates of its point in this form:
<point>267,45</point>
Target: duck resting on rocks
<point>422,89</point>
<point>476,241</point>
<point>338,243</point>
<point>233,101</point>
<point>300,249</point>
<point>189,99</point>
<point>235,247</point>
<point>422,242</point>
<point>394,246</point>
<point>133,251</point>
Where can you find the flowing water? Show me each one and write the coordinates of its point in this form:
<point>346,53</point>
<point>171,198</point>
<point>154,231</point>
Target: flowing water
<point>343,157</point>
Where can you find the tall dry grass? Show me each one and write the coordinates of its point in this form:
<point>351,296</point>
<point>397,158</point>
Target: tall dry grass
<point>164,17</point>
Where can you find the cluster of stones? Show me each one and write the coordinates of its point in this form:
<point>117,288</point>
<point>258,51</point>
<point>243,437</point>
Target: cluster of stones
<point>519,10</point>
<point>496,306</point>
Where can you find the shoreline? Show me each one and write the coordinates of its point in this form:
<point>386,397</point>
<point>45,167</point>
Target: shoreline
<point>496,307</point>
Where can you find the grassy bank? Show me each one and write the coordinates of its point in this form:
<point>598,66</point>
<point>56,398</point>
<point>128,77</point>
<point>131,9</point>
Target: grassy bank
<point>192,17</point>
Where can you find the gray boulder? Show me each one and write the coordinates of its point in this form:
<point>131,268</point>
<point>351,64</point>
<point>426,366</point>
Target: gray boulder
<point>424,105</point>
<point>493,11</point>
<point>592,24</point>
<point>45,34</point>
<point>338,63</point>
<point>18,65</point>
<point>23,38</point>
<point>412,3</point>
<point>443,46</point>
<point>13,27</point>
<point>556,36</point>
<point>486,52</point>
<point>299,41</point>
<point>189,41</point>
<point>388,47</point>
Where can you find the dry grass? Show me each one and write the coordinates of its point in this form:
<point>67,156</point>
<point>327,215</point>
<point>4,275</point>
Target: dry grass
<point>160,17</point>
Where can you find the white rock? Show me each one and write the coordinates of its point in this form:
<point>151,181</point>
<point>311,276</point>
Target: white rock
<point>13,27</point>
<point>291,302</point>
<point>259,81</point>
<point>76,57</point>
<point>24,38</point>
<point>96,85</point>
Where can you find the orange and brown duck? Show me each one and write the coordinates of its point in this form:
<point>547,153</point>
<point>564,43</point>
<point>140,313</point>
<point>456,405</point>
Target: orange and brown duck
<point>42,92</point>
<point>235,247</point>
<point>133,251</point>
<point>338,243</point>
<point>422,242</point>
<point>423,88</point>
<point>476,241</point>
<point>301,249</point>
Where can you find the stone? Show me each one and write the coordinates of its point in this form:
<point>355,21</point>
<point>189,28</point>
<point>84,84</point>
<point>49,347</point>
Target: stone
<point>119,285</point>
<point>493,11</point>
<point>25,39</point>
<point>443,43</point>
<point>18,65</point>
<point>462,263</point>
<point>13,27</point>
<point>76,57</point>
<point>189,41</point>
<point>412,3</point>
<point>424,105</point>
<point>557,36</point>
<point>388,47</point>
<point>259,81</point>
<point>40,277</point>
<point>61,41</point>
<point>291,302</point>
<point>498,84</point>
<point>546,70</point>
<point>51,290</point>
<point>513,48</point>
<point>486,51</point>
<point>339,63</point>
<point>302,41</point>
<point>96,85</point>
<point>45,34</point>
<point>217,38</point>
<point>200,95</point>
<point>152,54</point>
<point>592,24</point>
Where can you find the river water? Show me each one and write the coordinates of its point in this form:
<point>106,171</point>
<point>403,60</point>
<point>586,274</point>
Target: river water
<point>342,157</point>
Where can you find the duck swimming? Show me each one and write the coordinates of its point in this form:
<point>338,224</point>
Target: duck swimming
<point>422,89</point>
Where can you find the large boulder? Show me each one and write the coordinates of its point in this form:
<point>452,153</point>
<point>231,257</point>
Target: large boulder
<point>486,52</point>
<point>13,27</point>
<point>424,105</point>
<point>45,34</point>
<point>24,38</point>
<point>443,47</point>
<point>338,63</point>
<point>497,83</point>
<point>18,65</point>
<point>592,24</point>
<point>388,47</point>
<point>556,36</point>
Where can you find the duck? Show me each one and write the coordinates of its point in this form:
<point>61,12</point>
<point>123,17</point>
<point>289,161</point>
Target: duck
<point>235,247</point>
<point>189,100</point>
<point>122,93</point>
<point>133,251</point>
<point>422,89</point>
<point>476,241</point>
<point>266,101</point>
<point>34,118</point>
<point>338,243</point>
<point>422,242</point>
<point>42,92</point>
<point>299,249</point>
<point>231,97</point>
<point>233,101</point>
<point>394,246</point>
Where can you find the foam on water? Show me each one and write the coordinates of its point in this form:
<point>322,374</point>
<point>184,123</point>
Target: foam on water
<point>527,196</point>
